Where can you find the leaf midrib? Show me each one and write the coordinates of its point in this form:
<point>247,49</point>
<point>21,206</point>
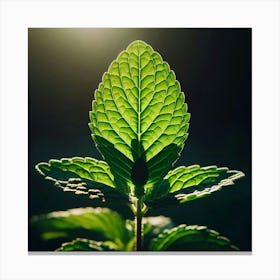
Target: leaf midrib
<point>139,101</point>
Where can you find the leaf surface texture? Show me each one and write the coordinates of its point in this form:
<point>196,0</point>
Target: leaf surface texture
<point>184,184</point>
<point>139,109</point>
<point>191,238</point>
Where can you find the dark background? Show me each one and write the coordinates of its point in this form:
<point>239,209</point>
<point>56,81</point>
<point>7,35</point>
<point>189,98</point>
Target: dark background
<point>213,67</point>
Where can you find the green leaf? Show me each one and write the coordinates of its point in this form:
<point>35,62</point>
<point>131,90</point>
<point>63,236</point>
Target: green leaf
<point>95,178</point>
<point>184,184</point>
<point>139,117</point>
<point>89,222</point>
<point>86,168</point>
<point>100,229</point>
<point>83,244</point>
<point>191,238</point>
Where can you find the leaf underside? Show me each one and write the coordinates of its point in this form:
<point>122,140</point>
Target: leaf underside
<point>191,238</point>
<point>139,112</point>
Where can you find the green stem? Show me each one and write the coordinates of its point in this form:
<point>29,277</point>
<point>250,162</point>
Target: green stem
<point>139,214</point>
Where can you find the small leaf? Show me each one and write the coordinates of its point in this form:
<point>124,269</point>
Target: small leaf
<point>139,116</point>
<point>191,238</point>
<point>101,222</point>
<point>188,183</point>
<point>83,244</point>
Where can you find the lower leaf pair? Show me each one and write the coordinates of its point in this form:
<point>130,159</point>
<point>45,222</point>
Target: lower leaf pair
<point>96,181</point>
<point>112,233</point>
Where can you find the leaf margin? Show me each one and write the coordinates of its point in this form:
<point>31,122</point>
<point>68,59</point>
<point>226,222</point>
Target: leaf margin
<point>170,236</point>
<point>164,193</point>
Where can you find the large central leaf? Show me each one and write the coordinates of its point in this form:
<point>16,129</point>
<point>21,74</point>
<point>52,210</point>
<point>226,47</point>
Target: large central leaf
<point>139,116</point>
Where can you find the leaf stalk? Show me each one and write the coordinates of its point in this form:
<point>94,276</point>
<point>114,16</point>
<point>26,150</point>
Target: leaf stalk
<point>139,215</point>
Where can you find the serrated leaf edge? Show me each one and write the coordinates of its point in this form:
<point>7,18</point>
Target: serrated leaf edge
<point>184,227</point>
<point>182,197</point>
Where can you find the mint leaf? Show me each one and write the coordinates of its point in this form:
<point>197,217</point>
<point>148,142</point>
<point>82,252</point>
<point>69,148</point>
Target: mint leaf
<point>191,238</point>
<point>94,180</point>
<point>101,229</point>
<point>83,244</point>
<point>138,116</point>
<point>96,222</point>
<point>87,168</point>
<point>188,183</point>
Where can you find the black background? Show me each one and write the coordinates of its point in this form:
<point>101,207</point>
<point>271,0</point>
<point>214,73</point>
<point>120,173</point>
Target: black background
<point>213,67</point>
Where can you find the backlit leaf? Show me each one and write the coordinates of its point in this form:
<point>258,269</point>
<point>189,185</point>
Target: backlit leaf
<point>87,168</point>
<point>188,183</point>
<point>94,180</point>
<point>139,117</point>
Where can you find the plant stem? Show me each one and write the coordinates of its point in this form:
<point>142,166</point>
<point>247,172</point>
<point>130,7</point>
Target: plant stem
<point>139,205</point>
